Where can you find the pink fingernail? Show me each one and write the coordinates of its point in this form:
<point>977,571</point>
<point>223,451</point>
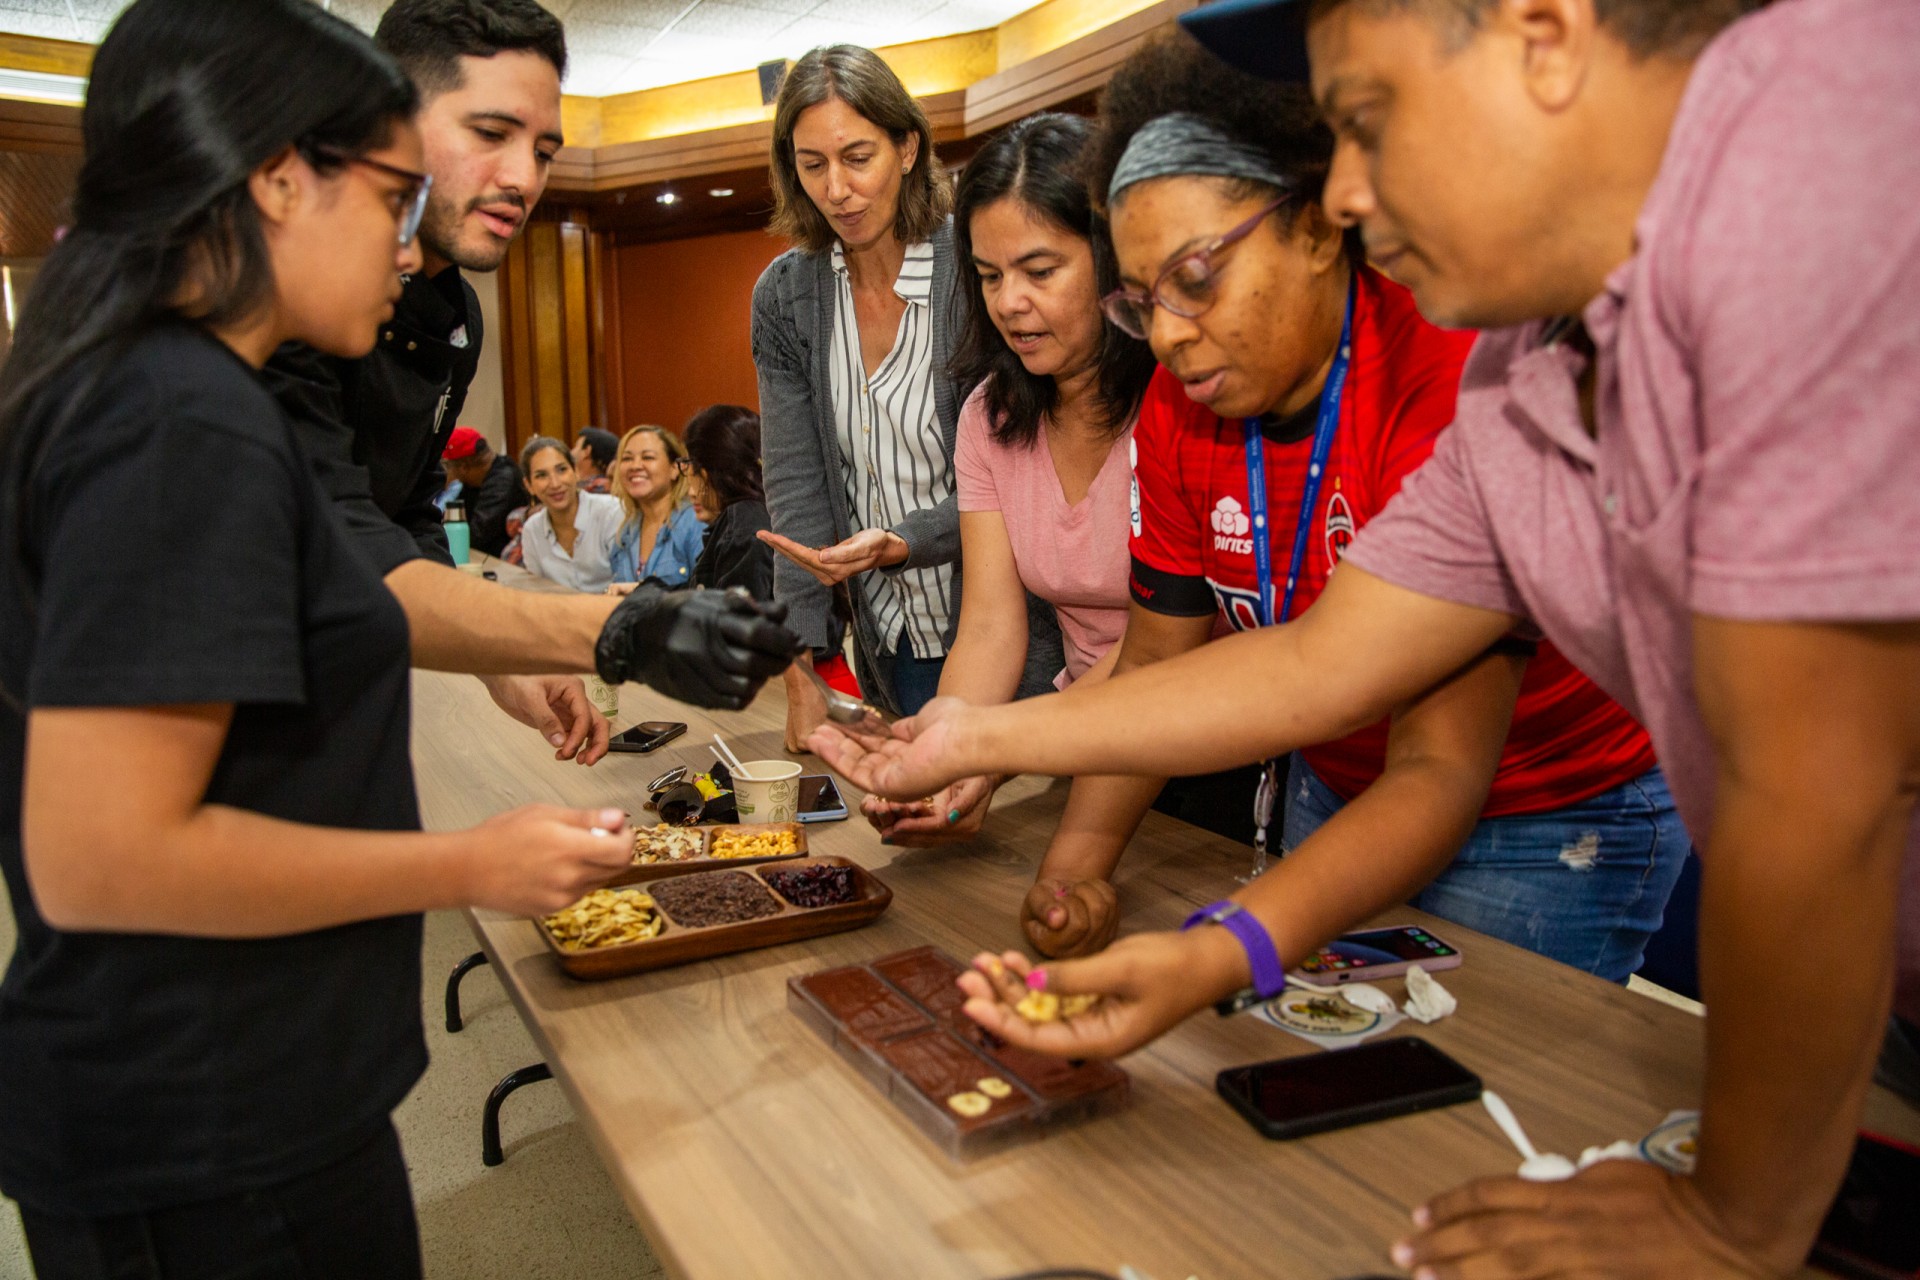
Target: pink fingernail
<point>1061,892</point>
<point>1402,1254</point>
<point>1037,980</point>
<point>1422,1216</point>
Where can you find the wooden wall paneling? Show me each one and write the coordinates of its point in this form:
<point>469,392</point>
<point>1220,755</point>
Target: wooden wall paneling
<point>544,294</point>
<point>577,346</point>
<point>1073,69</point>
<point>517,357</point>
<point>603,294</point>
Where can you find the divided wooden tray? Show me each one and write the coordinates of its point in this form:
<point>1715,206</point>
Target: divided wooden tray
<point>641,872</point>
<point>679,944</point>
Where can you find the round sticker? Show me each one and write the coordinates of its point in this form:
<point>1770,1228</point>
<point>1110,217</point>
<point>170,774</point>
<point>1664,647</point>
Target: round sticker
<point>1674,1144</point>
<point>1322,1015</point>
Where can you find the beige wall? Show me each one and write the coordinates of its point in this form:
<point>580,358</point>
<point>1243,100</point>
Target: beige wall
<point>486,409</point>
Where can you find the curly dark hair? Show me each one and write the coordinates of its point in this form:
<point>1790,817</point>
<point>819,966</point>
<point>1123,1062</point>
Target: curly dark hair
<point>1174,74</point>
<point>1036,162</point>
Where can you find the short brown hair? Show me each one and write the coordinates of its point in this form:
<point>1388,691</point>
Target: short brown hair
<point>861,79</point>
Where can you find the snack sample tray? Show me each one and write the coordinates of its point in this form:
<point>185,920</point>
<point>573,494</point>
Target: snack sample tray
<point>696,927</point>
<point>706,840</point>
<point>898,1020</point>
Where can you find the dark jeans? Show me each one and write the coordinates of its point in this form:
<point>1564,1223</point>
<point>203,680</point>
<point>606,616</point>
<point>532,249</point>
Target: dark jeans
<point>353,1218</point>
<point>915,680</point>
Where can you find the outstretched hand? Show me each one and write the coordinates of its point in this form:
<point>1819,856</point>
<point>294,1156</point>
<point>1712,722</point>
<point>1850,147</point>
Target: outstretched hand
<point>869,549</point>
<point>1147,984</point>
<point>922,754</point>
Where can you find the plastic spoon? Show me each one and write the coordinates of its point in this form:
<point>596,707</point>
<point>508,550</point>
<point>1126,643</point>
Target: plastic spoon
<point>844,709</point>
<point>1534,1166</point>
<point>733,761</point>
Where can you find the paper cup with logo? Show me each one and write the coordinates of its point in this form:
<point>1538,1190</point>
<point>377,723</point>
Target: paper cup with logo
<point>604,696</point>
<point>767,790</point>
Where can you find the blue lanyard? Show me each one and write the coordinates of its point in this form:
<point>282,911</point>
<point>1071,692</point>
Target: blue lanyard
<point>1323,431</point>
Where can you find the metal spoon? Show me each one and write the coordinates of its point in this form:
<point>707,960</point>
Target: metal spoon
<point>845,709</point>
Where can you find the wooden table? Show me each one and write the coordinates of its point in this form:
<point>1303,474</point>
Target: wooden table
<point>746,1148</point>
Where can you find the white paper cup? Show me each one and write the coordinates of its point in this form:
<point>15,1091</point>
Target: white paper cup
<point>603,695</point>
<point>767,790</point>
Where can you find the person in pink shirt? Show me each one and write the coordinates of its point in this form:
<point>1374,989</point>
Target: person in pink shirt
<point>1041,454</point>
<point>1685,453</point>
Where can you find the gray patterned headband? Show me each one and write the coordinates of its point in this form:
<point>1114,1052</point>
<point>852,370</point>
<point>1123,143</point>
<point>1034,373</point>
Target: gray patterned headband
<point>1186,145</point>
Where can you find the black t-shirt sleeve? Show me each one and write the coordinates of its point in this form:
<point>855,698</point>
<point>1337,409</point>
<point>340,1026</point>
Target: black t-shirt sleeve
<point>307,385</point>
<point>170,571</point>
<point>489,507</point>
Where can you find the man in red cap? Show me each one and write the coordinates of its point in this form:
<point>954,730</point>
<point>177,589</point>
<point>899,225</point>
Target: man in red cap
<point>489,487</point>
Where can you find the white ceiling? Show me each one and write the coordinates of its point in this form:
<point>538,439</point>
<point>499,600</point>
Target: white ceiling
<point>615,46</point>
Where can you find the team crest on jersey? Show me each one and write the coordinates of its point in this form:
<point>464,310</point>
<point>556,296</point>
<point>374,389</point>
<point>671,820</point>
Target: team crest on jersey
<point>1230,525</point>
<point>1340,528</point>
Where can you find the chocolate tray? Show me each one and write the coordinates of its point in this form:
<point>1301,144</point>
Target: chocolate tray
<point>642,872</point>
<point>679,944</point>
<point>898,1021</point>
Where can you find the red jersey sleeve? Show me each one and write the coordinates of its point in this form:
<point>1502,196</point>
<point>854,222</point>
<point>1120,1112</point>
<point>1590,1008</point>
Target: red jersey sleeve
<point>1166,534</point>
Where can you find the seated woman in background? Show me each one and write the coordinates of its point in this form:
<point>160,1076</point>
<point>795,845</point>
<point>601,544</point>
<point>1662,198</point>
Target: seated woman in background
<point>660,535</point>
<point>594,449</point>
<point>723,479</point>
<point>570,536</point>
<point>1042,454</point>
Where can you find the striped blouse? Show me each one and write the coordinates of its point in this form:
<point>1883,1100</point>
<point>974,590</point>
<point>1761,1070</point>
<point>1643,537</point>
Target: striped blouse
<point>891,456</point>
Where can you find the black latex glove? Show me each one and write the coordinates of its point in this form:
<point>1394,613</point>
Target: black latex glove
<point>710,648</point>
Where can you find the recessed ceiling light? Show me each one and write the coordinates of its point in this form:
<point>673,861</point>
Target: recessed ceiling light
<point>719,193</point>
<point>667,197</point>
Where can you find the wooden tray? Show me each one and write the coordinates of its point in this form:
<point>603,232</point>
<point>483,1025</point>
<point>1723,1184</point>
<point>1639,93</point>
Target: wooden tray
<point>677,944</point>
<point>641,872</point>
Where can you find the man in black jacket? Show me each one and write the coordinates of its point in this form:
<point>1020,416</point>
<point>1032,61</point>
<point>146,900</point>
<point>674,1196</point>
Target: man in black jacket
<point>489,487</point>
<point>489,75</point>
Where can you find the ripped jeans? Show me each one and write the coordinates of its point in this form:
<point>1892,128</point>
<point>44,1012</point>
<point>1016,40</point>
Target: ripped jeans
<point>1586,884</point>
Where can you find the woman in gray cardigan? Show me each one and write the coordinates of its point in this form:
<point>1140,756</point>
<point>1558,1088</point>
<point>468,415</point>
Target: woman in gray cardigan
<point>852,330</point>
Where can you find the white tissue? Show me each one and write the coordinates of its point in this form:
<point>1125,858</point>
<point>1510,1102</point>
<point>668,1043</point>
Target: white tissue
<point>1364,995</point>
<point>1427,1000</point>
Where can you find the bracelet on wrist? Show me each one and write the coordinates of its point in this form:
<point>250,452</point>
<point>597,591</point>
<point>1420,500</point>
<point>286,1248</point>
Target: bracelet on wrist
<point>1263,959</point>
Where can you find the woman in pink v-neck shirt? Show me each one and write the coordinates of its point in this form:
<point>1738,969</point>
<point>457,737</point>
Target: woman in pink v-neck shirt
<point>1041,456</point>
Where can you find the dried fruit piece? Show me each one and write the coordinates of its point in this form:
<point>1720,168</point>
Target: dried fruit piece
<point>1044,1006</point>
<point>970,1105</point>
<point>994,1087</point>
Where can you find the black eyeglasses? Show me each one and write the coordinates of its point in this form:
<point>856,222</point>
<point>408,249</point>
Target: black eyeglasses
<point>413,197</point>
<point>1187,286</point>
<point>683,465</point>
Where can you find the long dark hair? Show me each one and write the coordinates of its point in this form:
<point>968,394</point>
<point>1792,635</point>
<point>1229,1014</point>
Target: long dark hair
<point>862,79</point>
<point>186,99</point>
<point>1037,162</point>
<point>723,440</point>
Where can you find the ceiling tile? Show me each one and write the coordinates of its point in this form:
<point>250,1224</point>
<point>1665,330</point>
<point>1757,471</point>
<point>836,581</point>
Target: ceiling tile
<point>625,13</point>
<point>716,18</point>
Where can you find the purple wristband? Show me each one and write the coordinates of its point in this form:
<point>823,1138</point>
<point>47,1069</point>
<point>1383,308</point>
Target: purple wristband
<point>1269,975</point>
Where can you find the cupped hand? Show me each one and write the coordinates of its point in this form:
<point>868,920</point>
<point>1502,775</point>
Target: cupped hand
<point>559,708</point>
<point>920,756</point>
<point>1619,1218</point>
<point>1147,984</point>
<point>866,550</point>
<point>540,857</point>
<point>1064,918</point>
<point>951,815</point>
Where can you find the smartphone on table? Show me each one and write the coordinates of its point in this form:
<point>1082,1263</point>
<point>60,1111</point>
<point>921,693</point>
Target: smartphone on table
<point>820,800</point>
<point>648,735</point>
<point>1319,1092</point>
<point>1376,953</point>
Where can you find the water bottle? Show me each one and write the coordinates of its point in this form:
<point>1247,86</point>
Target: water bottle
<point>458,536</point>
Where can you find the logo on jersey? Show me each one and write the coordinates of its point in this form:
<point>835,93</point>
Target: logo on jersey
<point>1230,525</point>
<point>1340,528</point>
<point>1241,608</point>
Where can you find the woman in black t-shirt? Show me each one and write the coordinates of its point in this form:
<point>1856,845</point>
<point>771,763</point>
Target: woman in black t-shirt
<point>207,821</point>
<point>724,481</point>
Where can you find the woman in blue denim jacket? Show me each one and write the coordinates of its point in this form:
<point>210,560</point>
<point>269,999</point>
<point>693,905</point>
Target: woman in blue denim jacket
<point>661,537</point>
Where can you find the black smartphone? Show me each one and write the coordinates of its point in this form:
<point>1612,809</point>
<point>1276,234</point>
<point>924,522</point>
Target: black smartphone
<point>1316,1092</point>
<point>820,800</point>
<point>1873,1231</point>
<point>646,736</point>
